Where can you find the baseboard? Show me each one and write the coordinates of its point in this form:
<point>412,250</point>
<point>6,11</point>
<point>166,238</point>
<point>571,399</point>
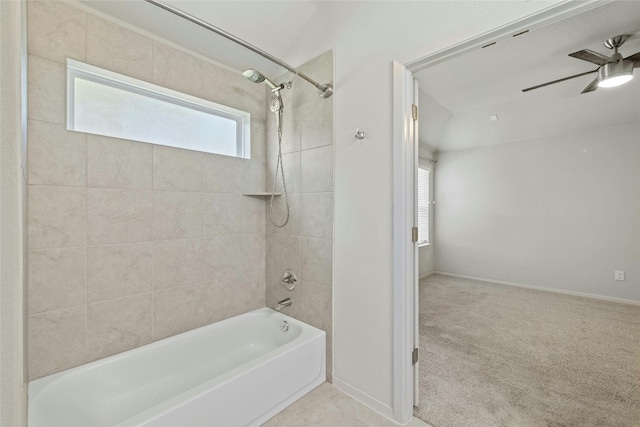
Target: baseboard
<point>427,274</point>
<point>364,398</point>
<point>541,288</point>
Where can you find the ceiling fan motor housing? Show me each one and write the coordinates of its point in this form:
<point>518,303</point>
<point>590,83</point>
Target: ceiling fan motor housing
<point>607,71</point>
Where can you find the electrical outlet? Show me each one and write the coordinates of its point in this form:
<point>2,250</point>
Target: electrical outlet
<point>619,275</point>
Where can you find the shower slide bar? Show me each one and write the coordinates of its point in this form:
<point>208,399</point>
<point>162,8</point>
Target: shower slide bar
<point>326,90</point>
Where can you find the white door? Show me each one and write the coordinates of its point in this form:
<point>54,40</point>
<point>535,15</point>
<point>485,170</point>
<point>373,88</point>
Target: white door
<point>416,266</point>
<point>405,173</point>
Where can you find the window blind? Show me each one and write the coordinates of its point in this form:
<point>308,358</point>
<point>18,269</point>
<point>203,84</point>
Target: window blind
<point>423,205</point>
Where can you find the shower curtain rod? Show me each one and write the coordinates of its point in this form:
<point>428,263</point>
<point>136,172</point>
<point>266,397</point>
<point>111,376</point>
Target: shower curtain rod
<point>326,90</point>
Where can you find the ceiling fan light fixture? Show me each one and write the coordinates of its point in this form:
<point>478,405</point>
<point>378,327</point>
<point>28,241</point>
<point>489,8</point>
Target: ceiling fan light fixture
<point>615,80</point>
<point>615,74</point>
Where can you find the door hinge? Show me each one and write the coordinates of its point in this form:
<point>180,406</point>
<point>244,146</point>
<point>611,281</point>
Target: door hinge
<point>414,234</point>
<point>414,356</point>
<point>414,112</point>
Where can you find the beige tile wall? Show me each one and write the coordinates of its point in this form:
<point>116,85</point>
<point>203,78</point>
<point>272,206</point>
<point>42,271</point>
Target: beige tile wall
<point>305,244</point>
<point>131,242</point>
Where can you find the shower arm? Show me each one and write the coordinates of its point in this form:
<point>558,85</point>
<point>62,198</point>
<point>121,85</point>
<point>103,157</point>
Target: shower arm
<point>326,90</point>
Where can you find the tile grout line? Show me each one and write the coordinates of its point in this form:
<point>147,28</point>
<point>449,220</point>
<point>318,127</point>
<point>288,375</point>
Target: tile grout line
<point>153,209</point>
<point>202,167</point>
<point>86,206</point>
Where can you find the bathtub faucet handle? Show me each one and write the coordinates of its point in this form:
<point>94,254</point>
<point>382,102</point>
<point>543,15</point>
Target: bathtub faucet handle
<point>289,279</point>
<point>283,303</point>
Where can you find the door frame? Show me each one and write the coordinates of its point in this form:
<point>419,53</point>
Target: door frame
<point>405,270</point>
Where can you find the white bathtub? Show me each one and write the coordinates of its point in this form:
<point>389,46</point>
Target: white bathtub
<point>237,372</point>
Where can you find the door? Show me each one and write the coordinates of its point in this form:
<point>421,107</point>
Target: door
<point>416,266</point>
<point>405,254</point>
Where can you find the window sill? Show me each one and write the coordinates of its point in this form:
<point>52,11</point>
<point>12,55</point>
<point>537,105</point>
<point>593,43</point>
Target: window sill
<point>423,245</point>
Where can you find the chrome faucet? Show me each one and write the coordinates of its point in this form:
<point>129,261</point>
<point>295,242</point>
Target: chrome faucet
<point>284,303</point>
<point>289,279</point>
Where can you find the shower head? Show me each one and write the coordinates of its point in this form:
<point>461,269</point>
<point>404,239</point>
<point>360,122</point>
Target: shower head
<point>275,102</point>
<point>254,75</point>
<point>257,77</point>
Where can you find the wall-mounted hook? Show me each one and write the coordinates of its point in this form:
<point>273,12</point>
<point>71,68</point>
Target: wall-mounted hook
<point>359,134</point>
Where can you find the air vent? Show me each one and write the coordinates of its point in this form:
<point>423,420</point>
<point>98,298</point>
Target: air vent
<point>487,45</point>
<point>520,33</point>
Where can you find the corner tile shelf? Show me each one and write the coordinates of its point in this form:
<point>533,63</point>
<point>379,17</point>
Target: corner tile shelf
<point>263,194</point>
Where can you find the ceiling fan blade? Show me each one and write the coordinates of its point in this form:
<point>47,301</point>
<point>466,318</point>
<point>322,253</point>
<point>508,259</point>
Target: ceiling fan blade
<point>559,80</point>
<point>591,56</point>
<point>635,58</point>
<point>592,86</point>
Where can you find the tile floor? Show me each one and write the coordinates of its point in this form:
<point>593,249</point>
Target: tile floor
<point>326,406</point>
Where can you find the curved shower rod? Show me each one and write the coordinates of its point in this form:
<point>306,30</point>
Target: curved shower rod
<point>326,90</point>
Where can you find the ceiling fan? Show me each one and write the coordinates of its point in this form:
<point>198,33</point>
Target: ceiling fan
<point>612,70</point>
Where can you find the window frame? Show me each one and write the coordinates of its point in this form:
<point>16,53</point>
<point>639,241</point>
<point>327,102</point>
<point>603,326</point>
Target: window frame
<point>77,69</point>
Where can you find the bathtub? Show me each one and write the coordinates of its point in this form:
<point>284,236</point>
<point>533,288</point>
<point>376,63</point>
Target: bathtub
<point>237,372</point>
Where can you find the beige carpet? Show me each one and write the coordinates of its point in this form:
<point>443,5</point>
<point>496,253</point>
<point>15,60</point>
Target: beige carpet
<point>494,355</point>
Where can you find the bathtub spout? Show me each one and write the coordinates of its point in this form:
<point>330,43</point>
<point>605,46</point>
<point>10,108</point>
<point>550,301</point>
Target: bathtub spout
<point>284,303</point>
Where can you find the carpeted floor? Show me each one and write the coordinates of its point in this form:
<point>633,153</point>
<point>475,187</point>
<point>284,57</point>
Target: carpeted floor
<point>494,355</point>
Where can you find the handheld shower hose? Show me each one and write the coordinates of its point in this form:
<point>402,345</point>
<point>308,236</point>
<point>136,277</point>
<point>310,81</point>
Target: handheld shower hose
<point>276,105</point>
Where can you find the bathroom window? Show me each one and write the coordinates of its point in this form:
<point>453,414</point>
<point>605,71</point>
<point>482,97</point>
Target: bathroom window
<point>424,205</point>
<point>105,103</point>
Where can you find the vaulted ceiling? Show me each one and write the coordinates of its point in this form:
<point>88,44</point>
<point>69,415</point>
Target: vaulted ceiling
<point>459,96</point>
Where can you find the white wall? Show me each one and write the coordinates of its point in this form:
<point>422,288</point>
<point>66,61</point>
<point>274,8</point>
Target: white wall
<point>558,212</point>
<point>426,260</point>
<point>12,183</point>
<point>367,36</point>
<point>433,120</point>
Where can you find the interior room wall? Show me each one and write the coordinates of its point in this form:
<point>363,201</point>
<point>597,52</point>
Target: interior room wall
<point>432,126</point>
<point>558,213</point>
<point>426,260</point>
<point>12,229</point>
<point>132,242</point>
<point>305,244</point>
